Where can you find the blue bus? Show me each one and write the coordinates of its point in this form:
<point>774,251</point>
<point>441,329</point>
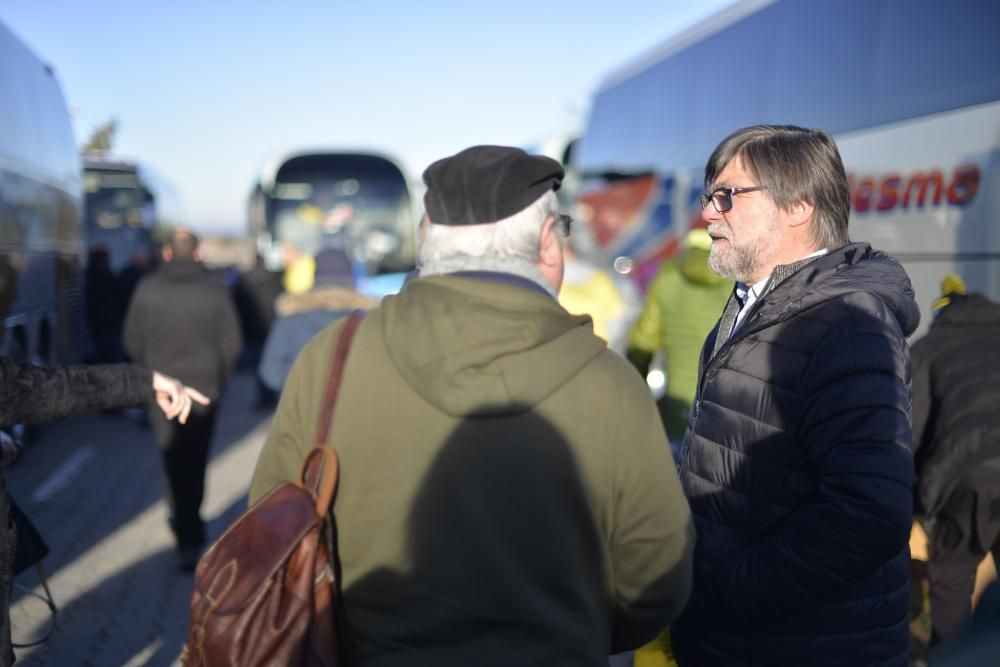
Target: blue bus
<point>909,88</point>
<point>41,239</point>
<point>126,207</point>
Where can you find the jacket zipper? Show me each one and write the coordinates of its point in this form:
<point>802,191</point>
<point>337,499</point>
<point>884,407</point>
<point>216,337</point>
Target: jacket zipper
<point>726,347</point>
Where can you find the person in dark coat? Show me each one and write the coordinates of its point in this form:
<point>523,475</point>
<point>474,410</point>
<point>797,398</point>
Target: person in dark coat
<point>797,458</point>
<point>255,295</point>
<point>105,307</point>
<point>129,277</point>
<point>956,433</point>
<point>302,316</point>
<point>979,642</point>
<point>182,320</point>
<point>33,394</point>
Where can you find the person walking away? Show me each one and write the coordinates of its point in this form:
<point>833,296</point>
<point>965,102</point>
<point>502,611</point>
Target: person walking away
<point>129,277</point>
<point>681,307</point>
<point>254,297</point>
<point>797,459</point>
<point>182,321</point>
<point>105,306</point>
<point>956,434</point>
<point>507,495</point>
<point>302,316</point>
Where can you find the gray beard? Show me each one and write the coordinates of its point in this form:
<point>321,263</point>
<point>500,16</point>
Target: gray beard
<point>741,264</point>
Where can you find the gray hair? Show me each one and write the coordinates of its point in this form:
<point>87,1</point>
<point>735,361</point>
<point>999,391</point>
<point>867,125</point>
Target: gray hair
<point>796,164</point>
<point>510,245</point>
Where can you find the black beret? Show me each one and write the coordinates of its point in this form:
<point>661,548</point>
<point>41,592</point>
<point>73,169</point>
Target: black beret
<point>485,184</point>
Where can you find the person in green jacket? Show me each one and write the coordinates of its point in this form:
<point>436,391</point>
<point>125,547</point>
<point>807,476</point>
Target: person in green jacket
<point>682,306</point>
<point>507,495</point>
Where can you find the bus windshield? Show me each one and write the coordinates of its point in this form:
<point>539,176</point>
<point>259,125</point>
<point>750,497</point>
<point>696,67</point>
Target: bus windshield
<point>358,202</point>
<point>112,200</point>
<point>119,213</point>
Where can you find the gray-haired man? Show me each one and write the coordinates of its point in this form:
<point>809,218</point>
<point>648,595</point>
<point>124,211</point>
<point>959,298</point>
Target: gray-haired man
<point>797,459</point>
<point>507,494</point>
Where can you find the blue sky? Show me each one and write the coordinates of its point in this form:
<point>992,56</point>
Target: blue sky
<point>205,92</point>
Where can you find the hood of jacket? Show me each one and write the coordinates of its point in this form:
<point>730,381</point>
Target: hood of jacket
<point>855,267</point>
<point>322,298</point>
<point>483,347</point>
<point>183,271</point>
<point>969,310</point>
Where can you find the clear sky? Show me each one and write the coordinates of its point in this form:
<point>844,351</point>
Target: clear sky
<point>206,91</point>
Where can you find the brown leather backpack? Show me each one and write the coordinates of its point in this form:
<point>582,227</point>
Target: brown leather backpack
<point>266,592</point>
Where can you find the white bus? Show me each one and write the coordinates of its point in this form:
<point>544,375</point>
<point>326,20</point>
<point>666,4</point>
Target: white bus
<point>41,239</point>
<point>359,200</point>
<point>909,88</point>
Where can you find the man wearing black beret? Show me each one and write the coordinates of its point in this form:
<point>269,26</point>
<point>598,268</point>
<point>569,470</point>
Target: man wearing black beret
<point>507,495</point>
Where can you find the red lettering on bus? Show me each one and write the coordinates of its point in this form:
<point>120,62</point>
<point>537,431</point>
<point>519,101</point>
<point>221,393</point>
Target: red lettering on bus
<point>921,180</point>
<point>921,188</point>
<point>863,194</point>
<point>889,191</point>
<point>963,187</point>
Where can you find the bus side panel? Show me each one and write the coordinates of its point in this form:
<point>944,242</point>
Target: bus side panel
<point>925,191</point>
<point>41,239</point>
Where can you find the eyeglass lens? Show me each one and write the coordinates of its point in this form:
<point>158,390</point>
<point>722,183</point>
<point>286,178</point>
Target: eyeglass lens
<point>721,199</point>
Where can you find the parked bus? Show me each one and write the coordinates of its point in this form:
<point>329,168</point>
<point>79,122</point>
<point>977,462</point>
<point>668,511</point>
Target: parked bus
<point>41,238</point>
<point>360,201</point>
<point>910,89</point>
<point>126,207</point>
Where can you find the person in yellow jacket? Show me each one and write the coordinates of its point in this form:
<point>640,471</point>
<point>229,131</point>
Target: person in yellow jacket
<point>590,290</point>
<point>657,653</point>
<point>299,274</point>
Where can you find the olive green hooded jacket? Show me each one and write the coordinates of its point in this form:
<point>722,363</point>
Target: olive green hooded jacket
<point>507,495</point>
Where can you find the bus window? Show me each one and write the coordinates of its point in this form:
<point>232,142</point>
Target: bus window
<point>360,202</point>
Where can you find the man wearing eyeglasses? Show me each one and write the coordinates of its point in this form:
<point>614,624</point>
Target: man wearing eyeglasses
<point>797,458</point>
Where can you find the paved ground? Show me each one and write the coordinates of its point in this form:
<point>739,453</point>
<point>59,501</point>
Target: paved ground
<point>93,486</point>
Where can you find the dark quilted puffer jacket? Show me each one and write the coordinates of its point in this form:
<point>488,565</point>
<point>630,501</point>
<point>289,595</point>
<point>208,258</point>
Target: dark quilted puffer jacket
<point>956,393</point>
<point>798,466</point>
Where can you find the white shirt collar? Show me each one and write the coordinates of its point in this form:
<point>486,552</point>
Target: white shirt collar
<point>753,291</point>
<point>748,295</point>
<point>745,293</point>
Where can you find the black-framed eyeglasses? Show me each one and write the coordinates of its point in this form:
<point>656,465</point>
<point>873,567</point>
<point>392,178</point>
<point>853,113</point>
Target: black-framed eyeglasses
<point>722,198</point>
<point>564,223</point>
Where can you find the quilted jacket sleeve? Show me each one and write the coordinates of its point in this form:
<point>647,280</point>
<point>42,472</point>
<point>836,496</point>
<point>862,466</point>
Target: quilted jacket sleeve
<point>855,431</point>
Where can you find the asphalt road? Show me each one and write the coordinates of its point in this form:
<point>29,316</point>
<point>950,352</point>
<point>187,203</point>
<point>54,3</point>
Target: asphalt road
<point>93,486</point>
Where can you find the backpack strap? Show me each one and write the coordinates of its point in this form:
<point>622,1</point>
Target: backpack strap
<point>319,471</point>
